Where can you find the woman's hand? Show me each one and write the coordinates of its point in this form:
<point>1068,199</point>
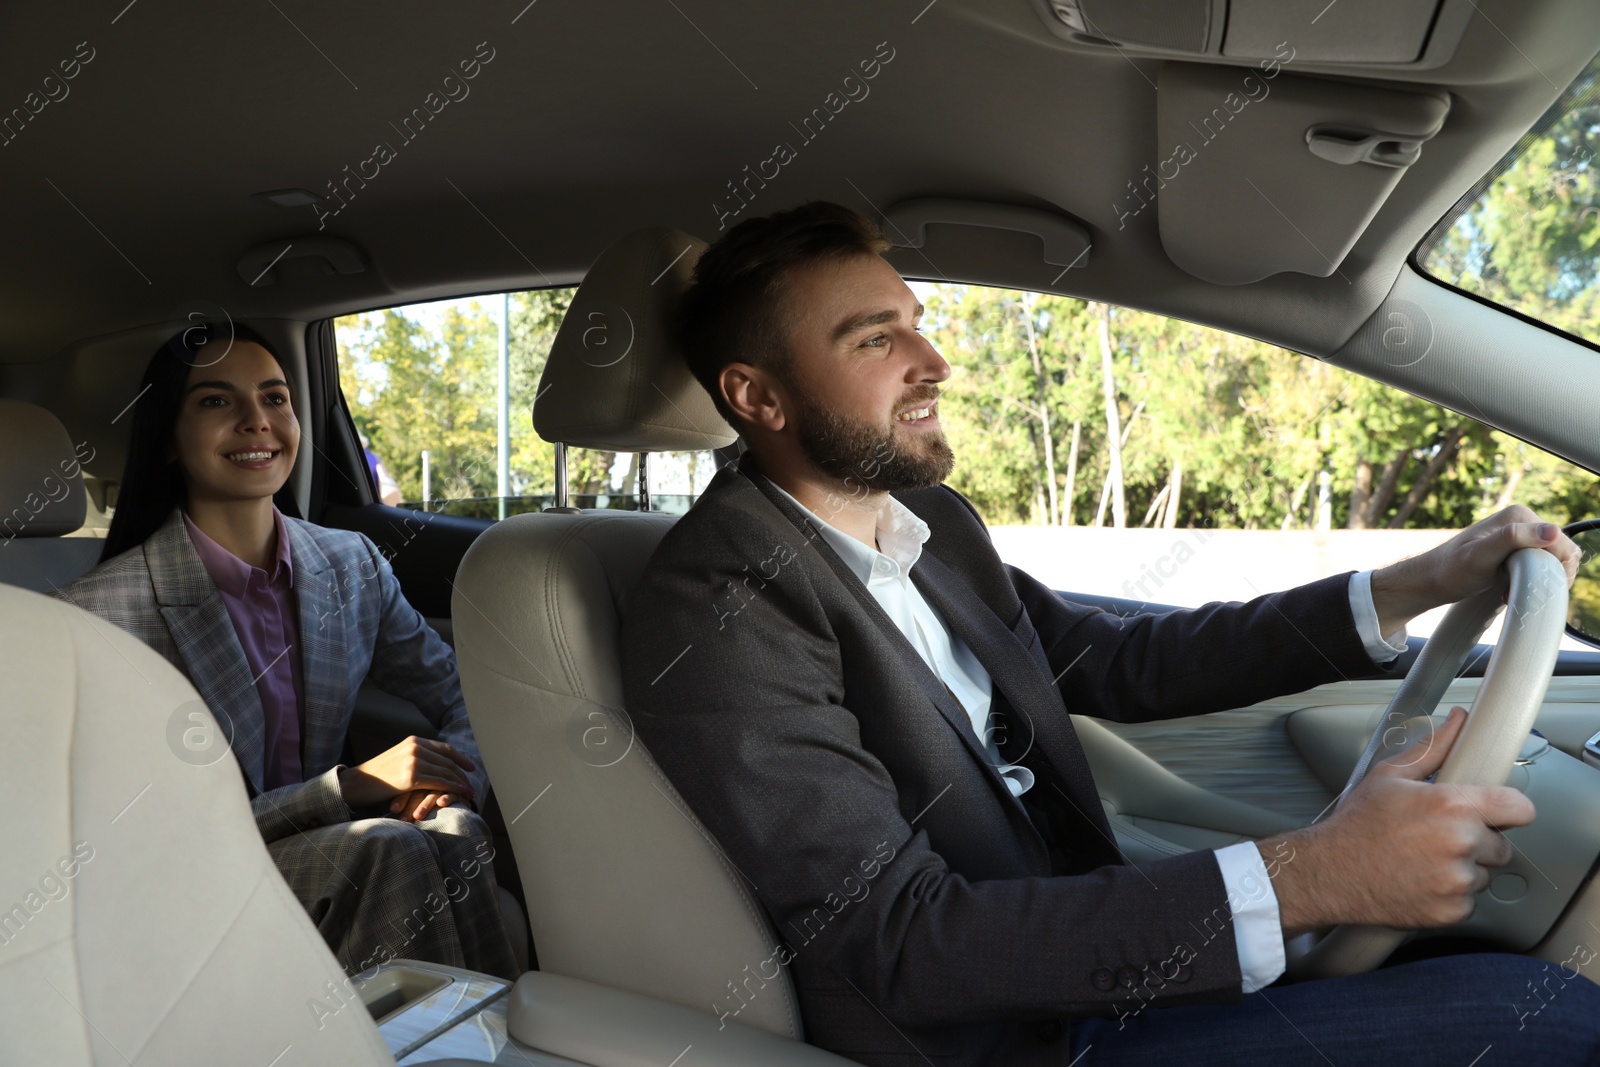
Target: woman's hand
<point>414,764</point>
<point>421,803</point>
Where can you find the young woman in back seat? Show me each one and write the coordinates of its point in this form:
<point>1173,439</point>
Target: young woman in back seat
<point>277,622</point>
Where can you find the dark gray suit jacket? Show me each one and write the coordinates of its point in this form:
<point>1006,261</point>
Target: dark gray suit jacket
<point>930,915</point>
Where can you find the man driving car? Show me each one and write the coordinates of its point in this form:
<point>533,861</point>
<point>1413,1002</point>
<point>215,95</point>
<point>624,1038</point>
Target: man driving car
<point>870,712</point>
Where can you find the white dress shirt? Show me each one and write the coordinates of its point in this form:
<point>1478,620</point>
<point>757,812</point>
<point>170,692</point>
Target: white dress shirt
<point>886,572</point>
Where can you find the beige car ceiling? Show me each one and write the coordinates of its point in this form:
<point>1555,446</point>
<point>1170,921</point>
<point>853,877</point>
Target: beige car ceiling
<point>129,193</point>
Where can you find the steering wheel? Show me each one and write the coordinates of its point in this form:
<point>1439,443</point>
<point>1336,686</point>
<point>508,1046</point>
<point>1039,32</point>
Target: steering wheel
<point>1503,712</point>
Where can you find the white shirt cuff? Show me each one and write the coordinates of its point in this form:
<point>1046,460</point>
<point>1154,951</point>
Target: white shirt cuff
<point>1257,930</point>
<point>1382,649</point>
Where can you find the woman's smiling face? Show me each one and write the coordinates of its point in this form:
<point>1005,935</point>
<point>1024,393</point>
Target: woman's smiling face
<point>236,436</point>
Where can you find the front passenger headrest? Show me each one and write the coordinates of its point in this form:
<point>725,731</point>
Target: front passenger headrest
<point>616,379</point>
<point>41,482</point>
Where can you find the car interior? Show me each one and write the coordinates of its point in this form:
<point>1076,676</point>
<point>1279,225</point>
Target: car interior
<point>1270,170</point>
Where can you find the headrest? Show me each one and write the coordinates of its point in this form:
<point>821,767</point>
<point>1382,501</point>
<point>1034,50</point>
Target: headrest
<point>41,482</point>
<point>616,379</point>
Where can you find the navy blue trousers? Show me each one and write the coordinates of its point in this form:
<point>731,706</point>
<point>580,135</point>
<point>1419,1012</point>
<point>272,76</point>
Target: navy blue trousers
<point>1484,1010</point>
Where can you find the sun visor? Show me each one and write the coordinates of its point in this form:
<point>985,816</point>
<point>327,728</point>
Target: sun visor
<point>1260,172</point>
<point>1399,34</point>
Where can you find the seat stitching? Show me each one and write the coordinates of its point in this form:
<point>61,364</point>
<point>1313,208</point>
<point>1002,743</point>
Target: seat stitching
<point>80,661</point>
<point>675,798</point>
<point>553,617</point>
<point>40,948</point>
<point>268,870</point>
<point>173,1002</point>
<point>552,588</point>
<point>737,878</point>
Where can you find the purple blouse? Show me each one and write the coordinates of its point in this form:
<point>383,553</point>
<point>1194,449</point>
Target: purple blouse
<point>262,608</point>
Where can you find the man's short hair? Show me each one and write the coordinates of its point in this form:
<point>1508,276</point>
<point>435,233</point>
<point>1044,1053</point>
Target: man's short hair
<point>731,312</point>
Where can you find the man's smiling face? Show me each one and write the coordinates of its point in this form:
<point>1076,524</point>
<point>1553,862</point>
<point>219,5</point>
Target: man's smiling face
<point>861,384</point>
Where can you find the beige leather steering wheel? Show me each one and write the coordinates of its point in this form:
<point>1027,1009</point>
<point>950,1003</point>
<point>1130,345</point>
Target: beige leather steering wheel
<point>1502,714</point>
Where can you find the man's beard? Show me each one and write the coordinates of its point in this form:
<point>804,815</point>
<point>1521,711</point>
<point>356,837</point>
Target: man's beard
<point>859,454</point>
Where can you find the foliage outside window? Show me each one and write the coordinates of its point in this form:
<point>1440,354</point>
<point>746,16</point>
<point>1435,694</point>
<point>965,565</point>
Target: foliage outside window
<point>1526,236</point>
<point>426,377</point>
<point>1211,429</point>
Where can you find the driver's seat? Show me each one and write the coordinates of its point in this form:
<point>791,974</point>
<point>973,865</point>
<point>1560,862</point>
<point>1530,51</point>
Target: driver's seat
<point>625,887</point>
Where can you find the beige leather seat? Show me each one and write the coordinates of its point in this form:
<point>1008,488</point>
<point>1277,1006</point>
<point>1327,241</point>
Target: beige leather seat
<point>625,888</point>
<point>141,919</point>
<point>41,500</point>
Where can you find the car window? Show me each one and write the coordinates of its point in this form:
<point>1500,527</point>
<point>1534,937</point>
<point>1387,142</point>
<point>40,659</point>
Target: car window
<point>423,385</point>
<point>1238,467</point>
<point>1528,235</point>
<point>1124,454</point>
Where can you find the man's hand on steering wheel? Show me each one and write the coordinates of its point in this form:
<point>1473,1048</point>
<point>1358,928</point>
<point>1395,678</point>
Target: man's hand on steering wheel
<point>1399,851</point>
<point>1467,564</point>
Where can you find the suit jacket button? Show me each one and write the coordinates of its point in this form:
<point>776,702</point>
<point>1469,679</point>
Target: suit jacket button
<point>1185,972</point>
<point>1050,1031</point>
<point>1127,976</point>
<point>1103,979</point>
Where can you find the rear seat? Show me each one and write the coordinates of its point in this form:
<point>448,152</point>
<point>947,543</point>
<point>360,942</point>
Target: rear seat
<point>42,501</point>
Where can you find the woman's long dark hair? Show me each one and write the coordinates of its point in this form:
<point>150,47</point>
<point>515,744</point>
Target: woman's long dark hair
<point>152,484</point>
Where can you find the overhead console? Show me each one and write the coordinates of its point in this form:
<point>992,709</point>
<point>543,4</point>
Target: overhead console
<point>1412,34</point>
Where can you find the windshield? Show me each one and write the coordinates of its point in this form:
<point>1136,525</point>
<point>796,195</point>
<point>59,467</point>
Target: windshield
<point>1526,236</point>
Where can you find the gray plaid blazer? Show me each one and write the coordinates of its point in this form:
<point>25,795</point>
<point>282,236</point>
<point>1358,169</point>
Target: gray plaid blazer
<point>354,624</point>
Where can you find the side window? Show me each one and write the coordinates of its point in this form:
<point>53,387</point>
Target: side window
<point>1526,236</point>
<point>1124,454</point>
<point>423,385</point>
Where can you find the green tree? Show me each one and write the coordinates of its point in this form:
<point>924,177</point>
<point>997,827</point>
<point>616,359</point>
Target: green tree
<point>1217,430</point>
<point>1529,239</point>
<point>419,390</point>
<point>430,380</point>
